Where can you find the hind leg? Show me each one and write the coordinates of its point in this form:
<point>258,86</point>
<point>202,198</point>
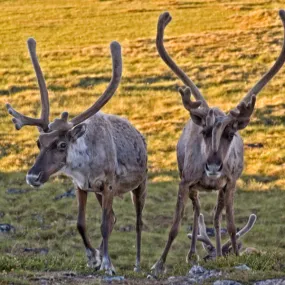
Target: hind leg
<point>138,196</point>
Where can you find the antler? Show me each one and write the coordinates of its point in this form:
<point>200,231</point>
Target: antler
<point>206,242</point>
<point>21,120</point>
<point>63,124</point>
<point>203,237</point>
<point>242,232</point>
<point>163,21</point>
<point>245,108</point>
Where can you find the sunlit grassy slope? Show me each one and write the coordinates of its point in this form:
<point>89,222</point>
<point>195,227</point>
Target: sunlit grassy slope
<point>225,46</point>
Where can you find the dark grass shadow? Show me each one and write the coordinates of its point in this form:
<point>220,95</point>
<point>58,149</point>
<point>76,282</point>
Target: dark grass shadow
<point>265,117</point>
<point>87,82</point>
<point>260,178</point>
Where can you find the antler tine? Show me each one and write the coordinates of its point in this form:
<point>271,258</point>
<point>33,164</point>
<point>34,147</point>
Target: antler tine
<point>273,70</point>
<point>112,87</point>
<point>244,230</point>
<point>21,120</point>
<point>186,99</point>
<point>163,21</point>
<point>41,82</point>
<point>203,237</point>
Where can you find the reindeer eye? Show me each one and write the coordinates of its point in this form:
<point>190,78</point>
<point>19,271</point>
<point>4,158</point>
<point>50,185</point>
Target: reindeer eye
<point>231,136</point>
<point>62,146</point>
<point>206,133</point>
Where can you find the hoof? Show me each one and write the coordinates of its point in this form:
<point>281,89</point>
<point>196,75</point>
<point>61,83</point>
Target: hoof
<point>157,269</point>
<point>107,266</point>
<point>192,259</point>
<point>137,268</point>
<point>94,258</point>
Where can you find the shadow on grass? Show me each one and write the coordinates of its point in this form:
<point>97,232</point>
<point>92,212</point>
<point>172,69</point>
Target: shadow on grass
<point>265,117</point>
<point>87,82</point>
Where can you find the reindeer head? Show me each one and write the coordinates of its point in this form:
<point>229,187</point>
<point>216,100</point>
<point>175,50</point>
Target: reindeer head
<point>55,137</point>
<point>218,129</point>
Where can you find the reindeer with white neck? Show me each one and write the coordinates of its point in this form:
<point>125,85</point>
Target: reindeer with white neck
<point>102,153</point>
<point>209,151</point>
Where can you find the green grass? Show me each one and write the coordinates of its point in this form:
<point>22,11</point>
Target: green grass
<point>225,46</point>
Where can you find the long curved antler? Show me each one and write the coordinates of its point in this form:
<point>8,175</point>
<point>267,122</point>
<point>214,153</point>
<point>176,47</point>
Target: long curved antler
<point>63,124</point>
<point>163,21</point>
<point>244,109</point>
<point>21,120</point>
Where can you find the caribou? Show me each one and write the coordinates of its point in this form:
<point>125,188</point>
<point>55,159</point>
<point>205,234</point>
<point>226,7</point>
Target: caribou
<point>102,153</point>
<point>226,247</point>
<point>209,152</point>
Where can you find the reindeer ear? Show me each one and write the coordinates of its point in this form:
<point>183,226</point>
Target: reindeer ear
<point>76,132</point>
<point>198,119</point>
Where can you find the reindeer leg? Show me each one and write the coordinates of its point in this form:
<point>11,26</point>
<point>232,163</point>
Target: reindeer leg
<point>112,222</point>
<point>191,257</point>
<point>157,268</point>
<point>93,255</point>
<point>138,196</point>
<point>229,201</point>
<point>106,224</point>
<point>217,221</point>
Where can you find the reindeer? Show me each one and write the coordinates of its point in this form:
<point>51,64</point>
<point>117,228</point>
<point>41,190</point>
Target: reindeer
<point>226,247</point>
<point>209,151</point>
<point>102,153</point>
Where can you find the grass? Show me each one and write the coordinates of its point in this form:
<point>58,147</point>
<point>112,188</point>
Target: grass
<point>225,46</point>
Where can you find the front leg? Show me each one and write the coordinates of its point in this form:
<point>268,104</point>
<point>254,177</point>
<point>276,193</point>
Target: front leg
<point>106,225</point>
<point>93,255</point>
<point>229,203</point>
<point>157,268</point>
<point>217,221</point>
<point>191,257</point>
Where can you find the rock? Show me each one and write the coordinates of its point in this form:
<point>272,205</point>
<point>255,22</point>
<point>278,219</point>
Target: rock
<point>16,191</point>
<point>68,194</point>
<point>242,267</point>
<point>41,250</point>
<point>271,282</point>
<point>113,278</point>
<point>196,270</point>
<point>7,228</point>
<point>226,282</point>
<point>199,273</point>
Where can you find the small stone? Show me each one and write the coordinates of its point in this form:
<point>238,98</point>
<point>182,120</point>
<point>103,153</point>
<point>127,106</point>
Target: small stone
<point>271,282</point>
<point>41,250</point>
<point>242,267</point>
<point>6,228</point>
<point>16,191</point>
<point>196,269</point>
<point>226,282</point>
<point>113,278</point>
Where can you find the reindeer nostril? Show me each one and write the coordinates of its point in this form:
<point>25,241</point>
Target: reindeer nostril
<point>221,167</point>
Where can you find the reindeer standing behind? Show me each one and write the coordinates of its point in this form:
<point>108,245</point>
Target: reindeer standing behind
<point>209,151</point>
<point>102,153</point>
